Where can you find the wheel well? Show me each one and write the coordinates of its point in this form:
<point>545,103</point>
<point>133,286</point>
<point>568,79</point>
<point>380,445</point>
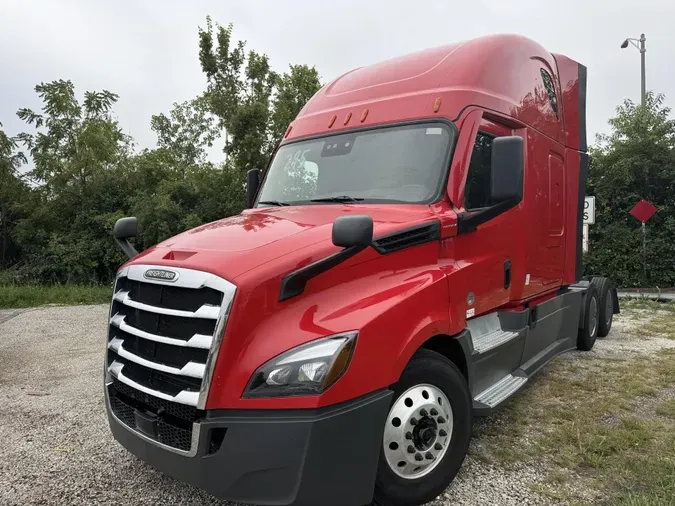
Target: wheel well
<point>450,349</point>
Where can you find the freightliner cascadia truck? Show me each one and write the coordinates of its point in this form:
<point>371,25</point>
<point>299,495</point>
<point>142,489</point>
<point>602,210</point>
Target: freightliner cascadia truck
<point>408,260</point>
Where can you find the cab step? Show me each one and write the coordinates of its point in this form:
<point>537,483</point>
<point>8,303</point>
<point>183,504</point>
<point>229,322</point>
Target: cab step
<point>488,332</point>
<point>500,391</point>
<point>493,339</point>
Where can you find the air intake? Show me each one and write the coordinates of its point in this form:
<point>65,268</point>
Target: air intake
<point>413,236</point>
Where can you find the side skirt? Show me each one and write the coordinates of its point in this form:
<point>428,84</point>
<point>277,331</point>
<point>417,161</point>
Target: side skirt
<point>505,358</point>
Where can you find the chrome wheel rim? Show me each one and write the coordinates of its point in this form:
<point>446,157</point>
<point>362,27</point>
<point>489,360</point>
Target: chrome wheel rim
<point>609,308</point>
<point>418,431</point>
<point>593,316</point>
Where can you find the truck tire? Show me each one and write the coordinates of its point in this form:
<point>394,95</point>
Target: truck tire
<point>591,310</point>
<point>606,300</point>
<point>427,432</point>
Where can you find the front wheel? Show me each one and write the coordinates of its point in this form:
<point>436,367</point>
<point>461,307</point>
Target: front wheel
<point>427,432</point>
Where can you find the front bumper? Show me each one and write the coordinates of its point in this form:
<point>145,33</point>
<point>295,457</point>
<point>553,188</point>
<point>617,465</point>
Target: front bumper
<point>324,456</point>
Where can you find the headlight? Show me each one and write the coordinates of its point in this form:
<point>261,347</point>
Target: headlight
<point>306,370</point>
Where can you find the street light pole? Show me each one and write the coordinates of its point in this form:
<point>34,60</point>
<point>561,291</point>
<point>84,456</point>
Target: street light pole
<point>643,50</point>
<point>640,44</point>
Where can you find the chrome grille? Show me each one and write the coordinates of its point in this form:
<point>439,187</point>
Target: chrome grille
<point>163,341</point>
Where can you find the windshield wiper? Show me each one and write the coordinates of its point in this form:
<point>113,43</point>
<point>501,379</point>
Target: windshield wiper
<point>273,203</point>
<point>341,198</point>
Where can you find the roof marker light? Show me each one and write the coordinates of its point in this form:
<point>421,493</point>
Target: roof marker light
<point>332,120</point>
<point>437,104</point>
<point>288,131</point>
<point>364,115</point>
<point>349,116</point>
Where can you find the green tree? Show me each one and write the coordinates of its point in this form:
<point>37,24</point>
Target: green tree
<point>635,161</point>
<point>254,103</point>
<point>13,195</point>
<point>79,154</point>
<point>188,130</point>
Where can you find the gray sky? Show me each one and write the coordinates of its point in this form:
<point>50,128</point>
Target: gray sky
<point>146,50</point>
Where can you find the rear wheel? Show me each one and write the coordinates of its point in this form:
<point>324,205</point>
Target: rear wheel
<point>606,305</point>
<point>427,432</point>
<point>588,334</point>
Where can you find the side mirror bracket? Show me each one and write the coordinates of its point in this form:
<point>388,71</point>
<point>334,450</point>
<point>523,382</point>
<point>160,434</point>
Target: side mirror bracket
<point>252,184</point>
<point>353,233</point>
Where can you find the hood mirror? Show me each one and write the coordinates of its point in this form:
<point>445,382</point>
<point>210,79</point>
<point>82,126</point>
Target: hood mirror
<point>125,229</point>
<point>355,230</point>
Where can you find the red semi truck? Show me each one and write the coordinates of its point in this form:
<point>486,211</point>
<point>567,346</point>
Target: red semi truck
<point>410,260</point>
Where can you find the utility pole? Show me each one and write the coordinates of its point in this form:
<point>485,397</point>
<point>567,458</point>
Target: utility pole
<point>641,46</point>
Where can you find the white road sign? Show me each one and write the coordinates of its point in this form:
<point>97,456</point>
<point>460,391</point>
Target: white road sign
<point>589,211</point>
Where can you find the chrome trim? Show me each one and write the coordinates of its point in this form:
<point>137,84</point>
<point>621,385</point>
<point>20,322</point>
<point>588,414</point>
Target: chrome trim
<point>148,275</point>
<point>229,292</point>
<point>183,397</point>
<point>191,369</point>
<point>201,341</point>
<point>194,442</point>
<point>207,311</point>
<point>187,278</point>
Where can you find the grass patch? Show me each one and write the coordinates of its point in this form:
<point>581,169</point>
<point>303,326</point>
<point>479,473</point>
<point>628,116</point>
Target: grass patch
<point>579,416</point>
<point>18,296</point>
<point>647,304</point>
<point>661,325</point>
<point>667,408</point>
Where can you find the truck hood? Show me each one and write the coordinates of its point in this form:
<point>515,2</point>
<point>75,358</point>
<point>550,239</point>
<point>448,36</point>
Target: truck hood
<point>232,246</point>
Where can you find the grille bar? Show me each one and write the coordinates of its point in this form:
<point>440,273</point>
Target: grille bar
<point>183,397</point>
<point>207,311</point>
<point>201,341</point>
<point>191,369</point>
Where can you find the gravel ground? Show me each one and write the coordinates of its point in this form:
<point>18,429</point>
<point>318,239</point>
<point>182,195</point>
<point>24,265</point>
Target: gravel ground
<point>57,448</point>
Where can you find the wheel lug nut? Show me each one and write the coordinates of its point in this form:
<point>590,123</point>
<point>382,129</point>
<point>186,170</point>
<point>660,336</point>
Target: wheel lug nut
<point>411,449</point>
<point>438,446</point>
<point>442,433</point>
<point>419,457</point>
<point>429,456</point>
<point>413,421</point>
<point>408,435</point>
<point>433,412</point>
<point>441,419</point>
<point>423,412</point>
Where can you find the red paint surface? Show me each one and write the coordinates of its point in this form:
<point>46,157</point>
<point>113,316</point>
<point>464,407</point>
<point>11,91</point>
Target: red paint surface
<point>643,210</point>
<point>400,300</point>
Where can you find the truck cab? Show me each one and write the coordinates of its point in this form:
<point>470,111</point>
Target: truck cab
<point>409,259</point>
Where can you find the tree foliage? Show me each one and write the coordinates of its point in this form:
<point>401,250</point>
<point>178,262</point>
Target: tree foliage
<point>635,161</point>
<point>13,192</point>
<point>58,207</point>
<point>57,213</point>
<point>253,103</point>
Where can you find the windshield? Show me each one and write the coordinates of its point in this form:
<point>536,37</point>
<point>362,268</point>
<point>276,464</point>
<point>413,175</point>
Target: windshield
<point>404,164</point>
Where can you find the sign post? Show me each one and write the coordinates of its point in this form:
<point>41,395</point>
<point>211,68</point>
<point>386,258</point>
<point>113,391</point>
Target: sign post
<point>643,210</point>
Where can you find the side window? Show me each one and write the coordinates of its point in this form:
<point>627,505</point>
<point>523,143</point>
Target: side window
<point>550,90</point>
<point>479,177</point>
